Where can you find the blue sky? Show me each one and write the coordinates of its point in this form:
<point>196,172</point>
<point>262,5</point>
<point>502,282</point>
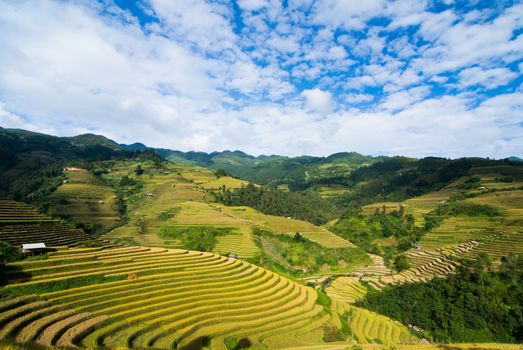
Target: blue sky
<point>414,78</point>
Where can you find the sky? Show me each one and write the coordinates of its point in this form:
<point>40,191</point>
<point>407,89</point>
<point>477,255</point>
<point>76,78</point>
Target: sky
<point>414,78</point>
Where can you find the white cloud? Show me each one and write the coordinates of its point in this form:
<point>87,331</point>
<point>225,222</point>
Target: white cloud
<point>358,98</point>
<point>402,99</point>
<point>252,5</point>
<point>489,78</point>
<point>194,81</point>
<point>318,100</point>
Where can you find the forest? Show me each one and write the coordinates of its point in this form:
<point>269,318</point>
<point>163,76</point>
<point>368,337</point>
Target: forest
<point>477,304</point>
<point>298,205</point>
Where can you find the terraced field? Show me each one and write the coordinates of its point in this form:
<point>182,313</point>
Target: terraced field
<point>490,176</point>
<point>177,196</point>
<point>21,223</point>
<point>13,212</point>
<point>282,225</point>
<point>86,198</point>
<point>160,298</point>
<point>226,181</point>
<point>369,327</point>
<point>456,230</point>
<point>346,289</point>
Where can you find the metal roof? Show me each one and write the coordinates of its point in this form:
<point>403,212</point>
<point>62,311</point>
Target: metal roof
<point>33,245</point>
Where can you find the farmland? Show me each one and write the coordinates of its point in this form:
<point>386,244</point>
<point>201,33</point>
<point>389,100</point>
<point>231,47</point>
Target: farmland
<point>177,268</point>
<point>85,198</point>
<point>21,223</point>
<point>172,297</point>
<point>181,193</point>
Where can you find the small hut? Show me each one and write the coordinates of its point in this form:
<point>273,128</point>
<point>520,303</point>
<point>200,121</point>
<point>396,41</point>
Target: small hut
<point>33,248</point>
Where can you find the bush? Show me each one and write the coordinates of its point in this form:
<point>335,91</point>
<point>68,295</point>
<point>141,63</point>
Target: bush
<point>465,209</point>
<point>401,263</point>
<point>202,238</point>
<point>8,253</point>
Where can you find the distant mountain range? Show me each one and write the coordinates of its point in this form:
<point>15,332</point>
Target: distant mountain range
<point>300,172</point>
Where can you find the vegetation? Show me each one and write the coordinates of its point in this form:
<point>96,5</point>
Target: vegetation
<point>8,253</point>
<point>401,263</point>
<point>204,298</point>
<point>476,304</point>
<point>303,205</point>
<point>364,230</point>
<point>296,255</point>
<point>201,238</point>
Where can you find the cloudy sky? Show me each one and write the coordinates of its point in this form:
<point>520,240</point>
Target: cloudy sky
<point>289,77</point>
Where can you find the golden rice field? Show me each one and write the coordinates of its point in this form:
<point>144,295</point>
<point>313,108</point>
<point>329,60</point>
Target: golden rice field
<point>456,230</point>
<point>367,327</point>
<point>282,225</point>
<point>161,298</point>
<point>21,223</point>
<point>417,206</point>
<point>86,198</point>
<point>181,191</point>
<point>370,327</point>
<point>346,289</point>
<point>509,202</point>
<point>226,181</point>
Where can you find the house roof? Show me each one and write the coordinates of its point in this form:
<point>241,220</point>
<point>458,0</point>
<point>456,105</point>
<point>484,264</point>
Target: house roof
<point>33,245</point>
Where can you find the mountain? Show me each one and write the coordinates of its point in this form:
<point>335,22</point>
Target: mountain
<point>31,161</point>
<point>515,159</point>
<point>273,170</point>
<point>137,146</point>
<point>91,140</point>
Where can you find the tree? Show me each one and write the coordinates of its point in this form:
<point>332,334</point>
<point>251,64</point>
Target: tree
<point>220,173</point>
<point>8,253</point>
<point>142,226</point>
<point>138,171</point>
<point>401,263</point>
<point>298,237</point>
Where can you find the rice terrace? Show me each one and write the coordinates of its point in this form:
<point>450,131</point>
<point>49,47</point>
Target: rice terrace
<point>261,174</point>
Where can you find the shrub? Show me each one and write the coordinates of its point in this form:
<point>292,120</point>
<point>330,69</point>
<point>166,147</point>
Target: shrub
<point>401,263</point>
<point>202,238</point>
<point>8,253</point>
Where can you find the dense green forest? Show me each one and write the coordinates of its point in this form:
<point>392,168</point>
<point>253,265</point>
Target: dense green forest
<point>477,304</point>
<point>363,230</point>
<point>299,205</point>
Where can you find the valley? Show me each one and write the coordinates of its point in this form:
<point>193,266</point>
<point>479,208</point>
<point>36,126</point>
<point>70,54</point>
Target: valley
<point>146,253</point>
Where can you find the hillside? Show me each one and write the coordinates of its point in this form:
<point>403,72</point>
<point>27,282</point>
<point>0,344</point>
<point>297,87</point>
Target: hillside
<point>173,203</point>
<point>287,172</point>
<point>85,199</point>
<point>192,256</point>
<point>20,223</point>
<point>136,297</point>
<point>31,163</point>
